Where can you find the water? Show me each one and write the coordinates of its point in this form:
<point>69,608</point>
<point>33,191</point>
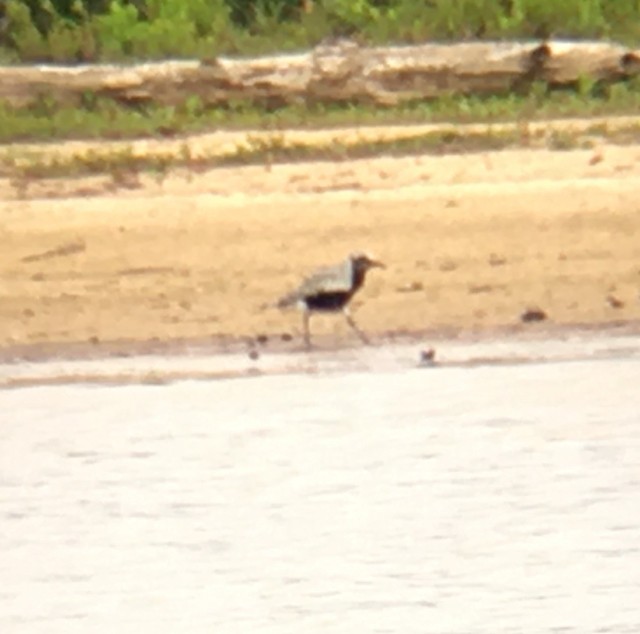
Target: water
<point>489,499</point>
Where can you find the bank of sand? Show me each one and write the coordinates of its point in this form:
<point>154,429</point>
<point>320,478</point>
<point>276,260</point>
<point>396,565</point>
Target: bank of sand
<point>471,241</point>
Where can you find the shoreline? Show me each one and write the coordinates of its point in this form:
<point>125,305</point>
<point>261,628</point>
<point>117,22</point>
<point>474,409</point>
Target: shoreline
<point>161,363</point>
<point>287,344</point>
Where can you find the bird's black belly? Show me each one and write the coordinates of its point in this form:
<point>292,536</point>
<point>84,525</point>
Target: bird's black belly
<point>327,301</point>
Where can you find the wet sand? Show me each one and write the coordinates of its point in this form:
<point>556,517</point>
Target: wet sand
<point>201,363</point>
<point>471,242</point>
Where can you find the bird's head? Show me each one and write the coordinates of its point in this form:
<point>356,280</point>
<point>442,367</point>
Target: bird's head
<point>363,262</point>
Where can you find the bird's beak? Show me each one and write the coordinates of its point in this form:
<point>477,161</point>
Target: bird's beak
<point>377,264</point>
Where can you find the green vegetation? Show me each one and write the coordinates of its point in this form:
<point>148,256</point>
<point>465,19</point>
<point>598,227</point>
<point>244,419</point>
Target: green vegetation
<point>105,119</point>
<point>124,165</point>
<point>70,31</point>
<point>116,30</point>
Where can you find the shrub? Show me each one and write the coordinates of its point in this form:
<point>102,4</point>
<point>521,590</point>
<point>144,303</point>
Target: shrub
<point>78,30</point>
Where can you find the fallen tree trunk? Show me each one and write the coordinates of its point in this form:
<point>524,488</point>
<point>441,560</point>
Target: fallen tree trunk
<point>337,72</point>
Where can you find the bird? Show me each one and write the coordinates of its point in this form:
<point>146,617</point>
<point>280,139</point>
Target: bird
<point>330,289</point>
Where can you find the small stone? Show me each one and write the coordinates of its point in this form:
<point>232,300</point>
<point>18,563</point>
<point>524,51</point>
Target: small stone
<point>597,157</point>
<point>533,314</point>
<point>254,355</point>
<point>614,302</point>
<point>262,339</point>
<point>285,336</point>
<point>412,287</point>
<point>427,357</point>
<point>447,265</point>
<point>480,288</point>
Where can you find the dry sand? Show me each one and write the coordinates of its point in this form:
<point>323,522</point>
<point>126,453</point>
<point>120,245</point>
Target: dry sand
<point>471,241</point>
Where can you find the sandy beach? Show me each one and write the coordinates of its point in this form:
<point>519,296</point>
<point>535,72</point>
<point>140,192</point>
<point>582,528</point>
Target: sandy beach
<point>470,242</point>
<point>146,487</point>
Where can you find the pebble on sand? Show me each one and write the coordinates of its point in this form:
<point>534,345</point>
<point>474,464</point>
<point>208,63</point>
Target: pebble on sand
<point>533,314</point>
<point>427,357</point>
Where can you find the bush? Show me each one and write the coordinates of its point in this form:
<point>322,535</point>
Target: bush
<point>116,30</point>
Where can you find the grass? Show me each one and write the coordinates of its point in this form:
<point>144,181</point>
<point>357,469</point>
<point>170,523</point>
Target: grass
<point>123,164</point>
<point>101,119</point>
<point>106,119</point>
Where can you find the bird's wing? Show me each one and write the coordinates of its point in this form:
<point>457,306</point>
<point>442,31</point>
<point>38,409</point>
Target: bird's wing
<point>330,279</point>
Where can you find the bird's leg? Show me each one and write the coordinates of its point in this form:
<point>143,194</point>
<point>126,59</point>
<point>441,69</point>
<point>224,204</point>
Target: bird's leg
<point>305,325</point>
<point>354,326</point>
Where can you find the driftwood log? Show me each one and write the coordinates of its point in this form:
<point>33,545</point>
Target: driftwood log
<point>332,72</point>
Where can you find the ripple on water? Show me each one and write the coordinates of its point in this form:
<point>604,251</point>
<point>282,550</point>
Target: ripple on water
<point>496,499</point>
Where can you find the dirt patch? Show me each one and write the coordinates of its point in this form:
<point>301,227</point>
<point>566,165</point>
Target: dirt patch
<point>471,242</point>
